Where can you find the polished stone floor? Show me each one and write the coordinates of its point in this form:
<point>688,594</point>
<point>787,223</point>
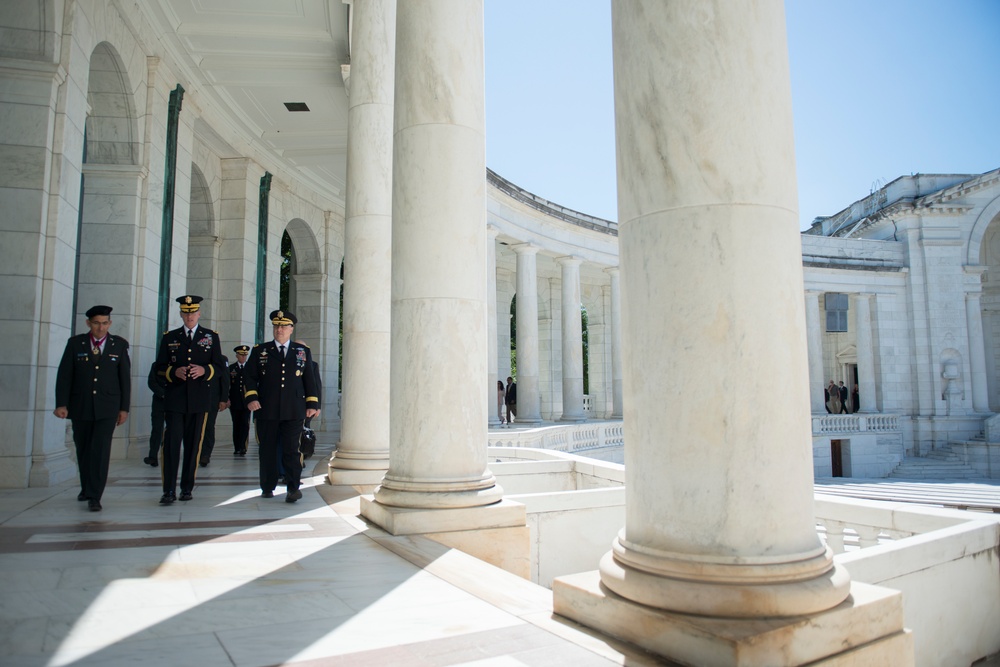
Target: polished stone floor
<point>231,578</point>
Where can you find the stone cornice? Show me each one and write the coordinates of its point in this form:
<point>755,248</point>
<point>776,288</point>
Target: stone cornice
<point>549,208</point>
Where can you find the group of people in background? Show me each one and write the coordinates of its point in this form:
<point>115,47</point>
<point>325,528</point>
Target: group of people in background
<point>191,381</point>
<point>836,398</point>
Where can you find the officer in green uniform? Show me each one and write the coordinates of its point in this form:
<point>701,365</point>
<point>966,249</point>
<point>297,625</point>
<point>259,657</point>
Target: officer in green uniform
<point>281,391</point>
<point>189,357</point>
<point>93,389</point>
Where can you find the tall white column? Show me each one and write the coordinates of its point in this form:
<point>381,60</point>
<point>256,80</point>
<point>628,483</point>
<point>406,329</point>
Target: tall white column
<point>977,352</point>
<point>719,525</point>
<point>362,454</point>
<point>708,327</point>
<point>438,412</point>
<point>491,323</point>
<point>616,342</point>
<point>814,348</point>
<point>529,400</point>
<point>866,354</point>
<point>572,341</point>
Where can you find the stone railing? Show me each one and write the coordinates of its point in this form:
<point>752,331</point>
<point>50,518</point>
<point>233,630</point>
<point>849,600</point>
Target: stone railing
<point>856,423</point>
<point>568,438</point>
<point>913,550</point>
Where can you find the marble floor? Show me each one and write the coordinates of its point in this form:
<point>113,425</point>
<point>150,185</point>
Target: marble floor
<point>231,578</point>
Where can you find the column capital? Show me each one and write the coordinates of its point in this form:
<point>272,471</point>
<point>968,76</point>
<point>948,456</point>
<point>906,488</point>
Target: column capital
<point>612,270</point>
<point>492,231</point>
<point>974,269</point>
<point>569,260</point>
<point>525,248</point>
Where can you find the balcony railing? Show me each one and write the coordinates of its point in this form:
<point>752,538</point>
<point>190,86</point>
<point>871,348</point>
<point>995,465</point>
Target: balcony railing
<point>856,423</point>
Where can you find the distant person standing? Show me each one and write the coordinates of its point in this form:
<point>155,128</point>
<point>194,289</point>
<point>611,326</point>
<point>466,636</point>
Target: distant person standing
<point>189,357</point>
<point>510,399</point>
<point>281,390</point>
<point>93,389</point>
<point>855,399</point>
<point>158,385</point>
<point>834,397</point>
<point>237,409</point>
<point>500,397</point>
<point>843,398</point>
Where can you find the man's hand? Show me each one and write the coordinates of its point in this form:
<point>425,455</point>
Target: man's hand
<point>311,412</point>
<point>254,406</point>
<point>122,416</point>
<point>194,372</point>
<point>61,412</point>
<point>181,373</point>
<point>222,406</point>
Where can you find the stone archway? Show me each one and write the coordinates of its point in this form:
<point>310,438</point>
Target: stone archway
<point>306,284</point>
<point>986,238</point>
<point>203,246</point>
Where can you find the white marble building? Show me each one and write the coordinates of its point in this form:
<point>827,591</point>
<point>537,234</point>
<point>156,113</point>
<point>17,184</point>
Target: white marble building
<point>125,124</point>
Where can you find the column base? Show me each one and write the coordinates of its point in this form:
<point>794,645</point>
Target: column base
<point>367,479</point>
<point>865,629</point>
<point>497,534</point>
<point>573,419</point>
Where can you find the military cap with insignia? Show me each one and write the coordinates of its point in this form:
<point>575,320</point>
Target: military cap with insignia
<point>190,303</point>
<point>283,317</point>
<point>98,310</point>
<point>242,349</point>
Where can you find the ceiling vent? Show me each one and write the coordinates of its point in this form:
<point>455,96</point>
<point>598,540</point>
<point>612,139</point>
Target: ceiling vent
<point>296,106</point>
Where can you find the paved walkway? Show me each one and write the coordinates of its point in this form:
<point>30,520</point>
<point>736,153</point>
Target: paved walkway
<point>981,495</point>
<point>233,579</point>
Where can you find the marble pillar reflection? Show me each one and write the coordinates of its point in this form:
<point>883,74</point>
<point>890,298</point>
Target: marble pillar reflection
<point>814,348</point>
<point>491,325</point>
<point>572,341</point>
<point>438,409</point>
<point>616,343</point>
<point>363,451</point>
<point>866,354</point>
<point>529,400</point>
<point>706,187</point>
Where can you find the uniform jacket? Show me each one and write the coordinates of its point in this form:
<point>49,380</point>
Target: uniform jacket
<point>236,386</point>
<point>156,382</point>
<point>94,387</point>
<point>285,388</point>
<point>220,386</point>
<point>189,396</point>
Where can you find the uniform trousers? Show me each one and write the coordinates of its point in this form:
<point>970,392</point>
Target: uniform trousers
<point>208,442</point>
<point>92,438</point>
<point>188,427</point>
<point>241,429</point>
<point>274,436</point>
<point>156,417</point>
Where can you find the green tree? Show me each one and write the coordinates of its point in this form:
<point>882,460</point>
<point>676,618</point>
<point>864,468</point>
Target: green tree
<point>513,337</point>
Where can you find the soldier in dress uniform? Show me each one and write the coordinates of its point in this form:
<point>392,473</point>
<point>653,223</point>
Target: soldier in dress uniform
<point>93,389</point>
<point>281,390</point>
<point>189,357</point>
<point>237,409</point>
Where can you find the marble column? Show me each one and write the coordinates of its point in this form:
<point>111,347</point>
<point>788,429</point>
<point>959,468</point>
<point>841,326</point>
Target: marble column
<point>438,410</point>
<point>529,400</point>
<point>491,324</point>
<point>866,354</point>
<point>572,341</point>
<point>616,342</point>
<point>719,524</point>
<point>814,348</point>
<point>362,455</point>
<point>977,352</point>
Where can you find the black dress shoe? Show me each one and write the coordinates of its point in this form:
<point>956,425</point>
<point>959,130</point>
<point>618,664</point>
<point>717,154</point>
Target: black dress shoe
<point>293,496</point>
<point>151,460</point>
<point>185,495</point>
<point>167,498</point>
<point>267,494</point>
<point>94,505</point>
<point>80,496</point>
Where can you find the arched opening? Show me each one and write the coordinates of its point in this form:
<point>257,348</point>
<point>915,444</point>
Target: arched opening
<point>203,246</point>
<point>110,193</point>
<point>586,355</point>
<point>513,337</point>
<point>989,256</point>
<point>286,271</point>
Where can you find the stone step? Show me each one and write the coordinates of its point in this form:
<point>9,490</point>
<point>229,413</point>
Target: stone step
<point>916,467</point>
<point>943,454</point>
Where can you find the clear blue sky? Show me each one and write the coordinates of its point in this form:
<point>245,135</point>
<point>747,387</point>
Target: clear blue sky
<point>880,89</point>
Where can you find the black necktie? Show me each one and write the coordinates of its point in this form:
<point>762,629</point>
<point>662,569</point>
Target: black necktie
<point>190,336</point>
<point>281,349</point>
